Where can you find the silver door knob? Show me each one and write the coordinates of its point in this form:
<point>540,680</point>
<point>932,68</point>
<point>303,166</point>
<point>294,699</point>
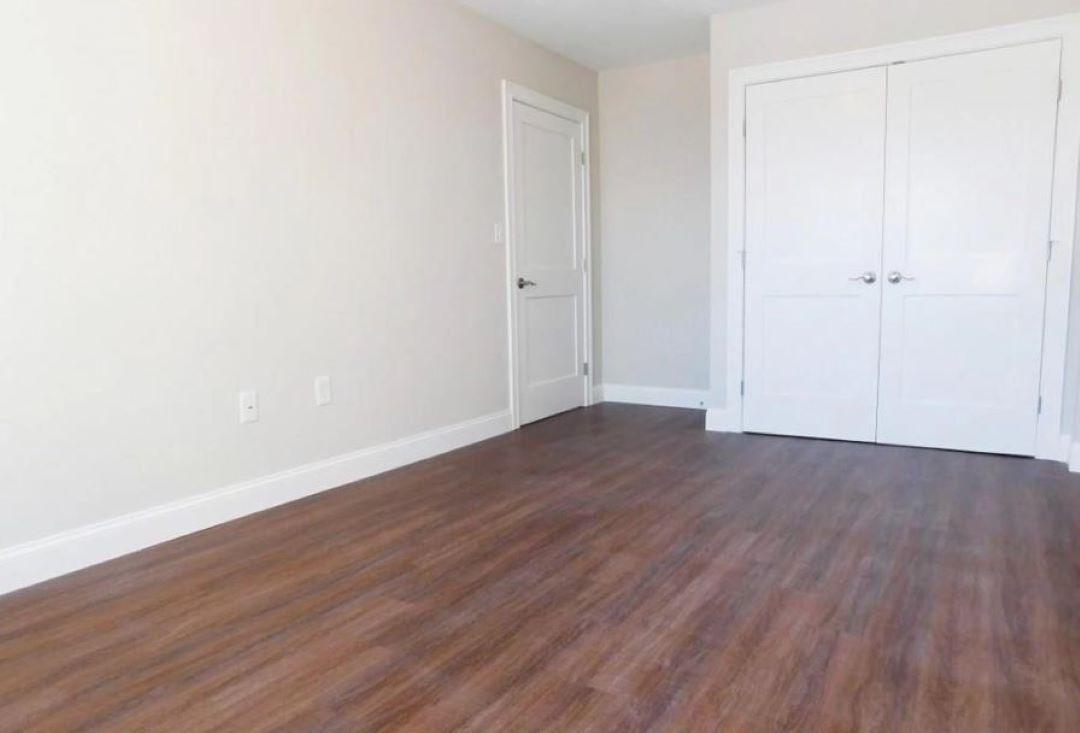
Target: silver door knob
<point>867,277</point>
<point>523,283</point>
<point>898,277</point>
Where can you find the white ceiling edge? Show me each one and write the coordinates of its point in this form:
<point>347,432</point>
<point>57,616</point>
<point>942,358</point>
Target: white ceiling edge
<point>611,34</point>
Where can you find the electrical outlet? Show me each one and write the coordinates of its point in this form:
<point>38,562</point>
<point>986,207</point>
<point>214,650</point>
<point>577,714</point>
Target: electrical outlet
<point>323,396</point>
<point>249,406</point>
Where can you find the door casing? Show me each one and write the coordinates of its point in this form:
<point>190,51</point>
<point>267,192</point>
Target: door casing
<point>725,408</point>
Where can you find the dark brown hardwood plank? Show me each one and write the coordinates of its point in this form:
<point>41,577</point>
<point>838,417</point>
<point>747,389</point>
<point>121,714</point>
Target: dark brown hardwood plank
<point>611,569</point>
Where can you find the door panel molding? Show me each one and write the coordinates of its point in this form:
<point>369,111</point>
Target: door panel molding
<point>726,404</point>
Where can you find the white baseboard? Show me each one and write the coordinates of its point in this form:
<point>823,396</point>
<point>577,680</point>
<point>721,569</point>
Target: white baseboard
<point>654,396</point>
<point>1054,449</point>
<point>1074,457</point>
<point>722,420</point>
<point>34,562</point>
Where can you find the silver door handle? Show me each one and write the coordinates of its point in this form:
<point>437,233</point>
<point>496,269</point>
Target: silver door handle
<point>523,283</point>
<point>867,277</point>
<point>898,277</point>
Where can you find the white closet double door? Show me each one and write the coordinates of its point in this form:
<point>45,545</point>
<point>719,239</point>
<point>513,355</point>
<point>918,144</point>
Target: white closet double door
<point>897,230</point>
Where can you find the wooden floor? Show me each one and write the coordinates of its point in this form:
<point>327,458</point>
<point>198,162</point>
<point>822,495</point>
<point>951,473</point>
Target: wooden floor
<point>612,569</point>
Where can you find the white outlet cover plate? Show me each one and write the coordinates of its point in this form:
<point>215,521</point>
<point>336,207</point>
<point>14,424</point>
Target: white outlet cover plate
<point>249,406</point>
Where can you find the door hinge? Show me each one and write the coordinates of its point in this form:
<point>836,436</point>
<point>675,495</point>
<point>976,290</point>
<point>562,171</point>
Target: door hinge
<point>1039,411</point>
<point>1050,250</point>
<point>742,256</point>
<point>585,366</point>
<point>583,158</point>
<point>742,388</point>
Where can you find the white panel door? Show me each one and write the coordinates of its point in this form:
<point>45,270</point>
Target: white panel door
<point>549,234</point>
<point>814,177</point>
<point>969,174</point>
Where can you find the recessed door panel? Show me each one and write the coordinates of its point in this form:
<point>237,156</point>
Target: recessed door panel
<point>548,226</point>
<point>549,354</point>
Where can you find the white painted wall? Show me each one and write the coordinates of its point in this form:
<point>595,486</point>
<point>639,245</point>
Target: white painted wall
<point>654,138</point>
<point>791,29</point>
<point>201,196</point>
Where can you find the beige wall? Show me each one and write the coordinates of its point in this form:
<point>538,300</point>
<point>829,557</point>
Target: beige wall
<point>200,196</point>
<point>791,29</point>
<point>1071,413</point>
<point>654,138</point>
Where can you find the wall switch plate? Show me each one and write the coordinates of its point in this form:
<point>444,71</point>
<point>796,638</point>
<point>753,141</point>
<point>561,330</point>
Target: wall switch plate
<point>249,406</point>
<point>323,395</point>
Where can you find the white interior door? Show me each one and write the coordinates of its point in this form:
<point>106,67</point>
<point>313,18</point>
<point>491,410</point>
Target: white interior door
<point>969,174</point>
<point>548,220</point>
<point>814,177</point>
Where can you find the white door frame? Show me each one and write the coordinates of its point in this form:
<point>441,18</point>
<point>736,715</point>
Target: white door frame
<point>1050,442</point>
<point>512,93</point>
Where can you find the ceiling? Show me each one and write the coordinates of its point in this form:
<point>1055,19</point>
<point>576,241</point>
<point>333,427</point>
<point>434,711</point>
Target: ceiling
<point>606,34</point>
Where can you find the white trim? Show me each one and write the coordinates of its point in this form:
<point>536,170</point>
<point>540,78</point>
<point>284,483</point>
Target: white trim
<point>723,420</point>
<point>655,396</point>
<point>1074,456</point>
<point>511,93</point>
<point>1061,451</point>
<point>1065,28</point>
<point>40,560</point>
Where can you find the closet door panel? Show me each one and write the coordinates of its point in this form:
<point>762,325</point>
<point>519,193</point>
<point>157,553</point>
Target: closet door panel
<point>815,176</point>
<point>969,173</point>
